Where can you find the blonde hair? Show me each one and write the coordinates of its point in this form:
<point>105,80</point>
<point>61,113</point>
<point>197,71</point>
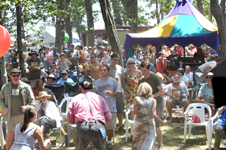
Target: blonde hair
<point>129,61</point>
<point>144,90</point>
<point>160,75</point>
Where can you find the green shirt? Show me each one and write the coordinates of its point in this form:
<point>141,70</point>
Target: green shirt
<point>35,74</point>
<point>74,53</point>
<point>154,82</point>
<point>17,101</point>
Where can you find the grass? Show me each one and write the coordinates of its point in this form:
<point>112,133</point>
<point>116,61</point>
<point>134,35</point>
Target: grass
<point>173,137</point>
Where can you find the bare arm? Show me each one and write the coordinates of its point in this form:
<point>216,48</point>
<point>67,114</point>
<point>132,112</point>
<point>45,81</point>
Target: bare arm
<point>207,69</point>
<point>180,64</point>
<point>71,122</point>
<point>160,92</point>
<point>135,105</point>
<point>11,140</point>
<point>38,135</point>
<point>108,118</point>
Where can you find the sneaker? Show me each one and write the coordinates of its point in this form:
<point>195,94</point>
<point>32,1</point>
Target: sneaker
<point>109,146</point>
<point>121,129</point>
<point>160,148</point>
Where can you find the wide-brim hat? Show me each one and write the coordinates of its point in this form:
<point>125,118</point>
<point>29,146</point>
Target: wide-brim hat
<point>33,52</point>
<point>25,79</point>
<point>51,76</point>
<point>208,74</point>
<point>15,70</point>
<point>65,71</point>
<point>43,94</point>
<point>85,48</point>
<point>90,47</point>
<point>191,45</point>
<point>62,54</point>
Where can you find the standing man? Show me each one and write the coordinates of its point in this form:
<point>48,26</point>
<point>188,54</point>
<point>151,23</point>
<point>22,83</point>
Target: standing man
<point>88,125</point>
<point>35,65</point>
<point>15,96</point>
<point>101,53</point>
<point>73,56</point>
<point>108,88</point>
<point>174,62</point>
<point>154,81</point>
<point>94,67</point>
<point>117,72</point>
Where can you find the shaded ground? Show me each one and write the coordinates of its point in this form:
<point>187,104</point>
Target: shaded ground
<point>173,136</point>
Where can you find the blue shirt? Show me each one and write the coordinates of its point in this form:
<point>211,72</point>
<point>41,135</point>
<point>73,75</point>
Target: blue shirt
<point>222,119</point>
<point>61,81</point>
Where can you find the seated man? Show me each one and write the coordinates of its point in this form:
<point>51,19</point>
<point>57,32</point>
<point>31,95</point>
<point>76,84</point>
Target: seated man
<point>89,126</point>
<point>183,78</point>
<point>64,78</point>
<point>178,93</point>
<point>206,92</point>
<point>219,127</point>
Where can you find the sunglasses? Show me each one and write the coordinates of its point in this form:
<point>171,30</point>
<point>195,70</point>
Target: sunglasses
<point>145,57</point>
<point>116,59</point>
<point>92,57</point>
<point>209,77</point>
<point>64,74</point>
<point>15,76</point>
<point>132,63</point>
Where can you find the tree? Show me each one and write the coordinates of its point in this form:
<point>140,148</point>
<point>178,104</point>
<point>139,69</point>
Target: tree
<point>90,23</point>
<point>200,6</point>
<point>19,37</point>
<point>68,24</point>
<point>117,11</point>
<point>111,29</point>
<point>219,16</point>
<point>134,16</point>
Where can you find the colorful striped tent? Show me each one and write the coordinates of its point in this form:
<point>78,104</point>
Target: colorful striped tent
<point>183,25</point>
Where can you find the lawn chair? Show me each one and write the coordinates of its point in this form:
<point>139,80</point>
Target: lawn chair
<point>128,121</point>
<point>58,91</point>
<point>1,134</point>
<point>71,88</point>
<point>199,110</point>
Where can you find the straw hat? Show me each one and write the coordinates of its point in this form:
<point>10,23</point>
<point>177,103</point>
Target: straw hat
<point>24,79</point>
<point>62,54</point>
<point>51,76</point>
<point>43,94</point>
<point>208,74</point>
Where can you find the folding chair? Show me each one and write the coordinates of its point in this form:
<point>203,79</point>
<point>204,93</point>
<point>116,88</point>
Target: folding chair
<point>1,134</point>
<point>58,91</point>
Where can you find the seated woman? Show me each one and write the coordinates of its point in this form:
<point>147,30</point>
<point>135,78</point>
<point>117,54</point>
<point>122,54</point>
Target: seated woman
<point>144,126</point>
<point>48,115</point>
<point>26,133</point>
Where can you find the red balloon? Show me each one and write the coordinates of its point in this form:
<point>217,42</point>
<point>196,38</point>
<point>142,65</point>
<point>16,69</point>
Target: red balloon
<point>5,41</point>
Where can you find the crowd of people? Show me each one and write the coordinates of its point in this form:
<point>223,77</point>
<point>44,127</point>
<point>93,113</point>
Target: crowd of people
<point>106,89</point>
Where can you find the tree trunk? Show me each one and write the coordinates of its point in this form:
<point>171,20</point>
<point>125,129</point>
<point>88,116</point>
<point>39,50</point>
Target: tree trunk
<point>59,38</point>
<point>90,24</point>
<point>210,16</point>
<point>157,11</point>
<point>223,7</point>
<point>117,12</point>
<point>200,6</point>
<point>126,11</point>
<point>68,26</point>
<point>19,37</point>
<point>134,13</point>
<point>219,16</point>
<point>111,29</point>
<point>77,24</point>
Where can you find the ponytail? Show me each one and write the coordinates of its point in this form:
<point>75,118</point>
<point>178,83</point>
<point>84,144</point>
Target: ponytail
<point>29,113</point>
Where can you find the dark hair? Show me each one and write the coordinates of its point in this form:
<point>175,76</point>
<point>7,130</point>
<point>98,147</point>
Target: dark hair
<point>176,74</point>
<point>181,70</point>
<point>105,66</point>
<point>218,59</point>
<point>29,113</point>
<point>160,53</point>
<point>72,45</point>
<point>87,84</point>
<point>145,64</point>
<point>93,54</point>
<point>114,55</point>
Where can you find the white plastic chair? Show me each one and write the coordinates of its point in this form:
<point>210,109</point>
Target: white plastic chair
<point>1,134</point>
<point>199,110</point>
<point>128,122</point>
<point>66,100</point>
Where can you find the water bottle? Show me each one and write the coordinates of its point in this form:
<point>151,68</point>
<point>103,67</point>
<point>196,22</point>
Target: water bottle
<point>66,139</point>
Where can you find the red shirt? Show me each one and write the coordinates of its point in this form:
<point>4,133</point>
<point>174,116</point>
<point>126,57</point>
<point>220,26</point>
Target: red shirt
<point>180,52</point>
<point>160,65</point>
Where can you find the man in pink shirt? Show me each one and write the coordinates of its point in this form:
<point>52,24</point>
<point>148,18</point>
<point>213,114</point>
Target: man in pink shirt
<point>90,112</point>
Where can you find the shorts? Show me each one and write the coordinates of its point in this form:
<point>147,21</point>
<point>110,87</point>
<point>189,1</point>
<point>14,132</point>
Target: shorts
<point>120,104</point>
<point>87,131</point>
<point>175,102</point>
<point>14,121</point>
<point>112,123</point>
<point>159,112</point>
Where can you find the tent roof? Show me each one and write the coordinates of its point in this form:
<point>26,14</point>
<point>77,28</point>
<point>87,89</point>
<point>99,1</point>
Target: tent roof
<point>183,25</point>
